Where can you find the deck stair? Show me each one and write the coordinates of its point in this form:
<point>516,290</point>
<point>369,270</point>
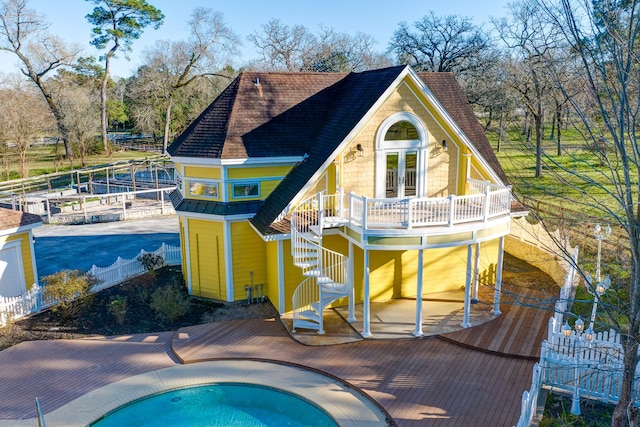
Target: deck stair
<point>325,270</point>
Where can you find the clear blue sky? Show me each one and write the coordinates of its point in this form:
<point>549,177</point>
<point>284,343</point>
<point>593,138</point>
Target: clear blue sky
<point>378,18</point>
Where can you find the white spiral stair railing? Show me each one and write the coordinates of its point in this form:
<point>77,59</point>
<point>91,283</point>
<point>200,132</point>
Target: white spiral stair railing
<point>326,270</point>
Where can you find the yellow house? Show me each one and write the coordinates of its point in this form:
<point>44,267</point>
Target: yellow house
<point>340,188</point>
<point>17,258</point>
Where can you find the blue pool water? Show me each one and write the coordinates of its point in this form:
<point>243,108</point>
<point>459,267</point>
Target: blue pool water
<point>219,405</point>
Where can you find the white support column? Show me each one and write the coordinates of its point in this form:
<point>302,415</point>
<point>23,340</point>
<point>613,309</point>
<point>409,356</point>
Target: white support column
<point>467,291</point>
<point>228,262</point>
<point>187,254</point>
<point>366,321</point>
<point>476,274</point>
<point>352,290</point>
<point>418,331</point>
<point>281,296</point>
<point>496,296</point>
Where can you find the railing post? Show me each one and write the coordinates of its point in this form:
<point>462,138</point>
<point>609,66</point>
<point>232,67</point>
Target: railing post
<point>48,211</point>
<point>119,265</point>
<point>84,208</point>
<point>341,202</point>
<point>452,205</point>
<point>364,212</point>
<point>320,212</point>
<point>485,207</point>
<point>409,214</point>
<point>162,202</point>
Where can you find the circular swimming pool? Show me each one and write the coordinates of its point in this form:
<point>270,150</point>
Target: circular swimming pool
<point>225,404</point>
<point>315,395</point>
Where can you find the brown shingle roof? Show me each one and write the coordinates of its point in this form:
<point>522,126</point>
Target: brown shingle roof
<point>10,219</point>
<point>305,114</point>
<point>277,117</point>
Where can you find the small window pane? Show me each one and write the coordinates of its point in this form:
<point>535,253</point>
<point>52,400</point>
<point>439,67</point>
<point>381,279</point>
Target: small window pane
<point>246,190</point>
<point>401,131</point>
<point>203,189</point>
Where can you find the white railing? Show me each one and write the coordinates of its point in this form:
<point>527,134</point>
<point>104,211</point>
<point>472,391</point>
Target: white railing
<point>410,213</point>
<point>34,300</point>
<point>530,399</point>
<point>317,262</point>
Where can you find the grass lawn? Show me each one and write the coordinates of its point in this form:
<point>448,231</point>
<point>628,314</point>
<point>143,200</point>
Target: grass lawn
<point>46,159</point>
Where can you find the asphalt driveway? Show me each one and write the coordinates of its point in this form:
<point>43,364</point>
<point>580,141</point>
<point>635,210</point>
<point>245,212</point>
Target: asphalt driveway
<point>79,247</point>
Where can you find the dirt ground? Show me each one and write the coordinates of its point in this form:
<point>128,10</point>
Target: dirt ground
<point>95,319</point>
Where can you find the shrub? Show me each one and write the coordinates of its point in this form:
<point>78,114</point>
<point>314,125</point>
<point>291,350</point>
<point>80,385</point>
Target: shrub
<point>150,261</point>
<point>118,307</point>
<point>70,289</point>
<point>142,285</point>
<point>169,302</point>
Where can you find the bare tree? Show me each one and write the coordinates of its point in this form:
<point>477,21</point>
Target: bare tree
<point>451,43</point>
<point>172,65</point>
<point>605,37</point>
<point>533,49</point>
<point>340,52</point>
<point>23,33</point>
<point>23,117</point>
<point>281,47</point>
<point>79,104</point>
<point>118,23</point>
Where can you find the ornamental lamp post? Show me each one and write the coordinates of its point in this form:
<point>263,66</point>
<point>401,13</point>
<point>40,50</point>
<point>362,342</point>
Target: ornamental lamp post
<point>597,232</point>
<point>589,335</point>
<point>598,286</point>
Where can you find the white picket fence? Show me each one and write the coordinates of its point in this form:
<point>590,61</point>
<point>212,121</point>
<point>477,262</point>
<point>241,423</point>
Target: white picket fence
<point>594,368</point>
<point>34,300</point>
<point>530,399</point>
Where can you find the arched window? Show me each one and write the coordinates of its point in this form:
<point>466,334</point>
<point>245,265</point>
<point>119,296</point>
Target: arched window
<point>400,156</point>
<point>402,131</point>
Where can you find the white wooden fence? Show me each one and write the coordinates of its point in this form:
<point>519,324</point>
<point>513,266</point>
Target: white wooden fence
<point>34,300</point>
<point>530,399</point>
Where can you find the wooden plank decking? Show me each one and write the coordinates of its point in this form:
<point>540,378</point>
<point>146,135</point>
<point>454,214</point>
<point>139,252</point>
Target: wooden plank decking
<point>422,381</point>
<point>473,377</point>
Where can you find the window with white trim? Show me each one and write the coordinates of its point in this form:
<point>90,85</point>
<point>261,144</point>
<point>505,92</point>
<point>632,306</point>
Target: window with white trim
<point>204,189</point>
<point>245,189</point>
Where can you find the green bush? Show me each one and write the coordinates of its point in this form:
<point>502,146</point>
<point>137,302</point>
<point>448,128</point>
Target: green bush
<point>71,289</point>
<point>170,303</point>
<point>151,261</point>
<point>118,307</point>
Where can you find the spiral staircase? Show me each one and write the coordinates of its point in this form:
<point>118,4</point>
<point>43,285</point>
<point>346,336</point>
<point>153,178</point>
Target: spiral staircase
<point>325,270</point>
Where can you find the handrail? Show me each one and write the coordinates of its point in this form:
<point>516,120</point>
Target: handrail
<point>316,261</point>
<point>409,213</point>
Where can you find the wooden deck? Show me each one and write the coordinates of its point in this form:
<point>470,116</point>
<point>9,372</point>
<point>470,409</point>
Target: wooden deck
<point>472,377</point>
<point>420,381</point>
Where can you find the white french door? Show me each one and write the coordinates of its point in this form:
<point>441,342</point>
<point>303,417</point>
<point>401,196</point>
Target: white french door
<point>401,173</point>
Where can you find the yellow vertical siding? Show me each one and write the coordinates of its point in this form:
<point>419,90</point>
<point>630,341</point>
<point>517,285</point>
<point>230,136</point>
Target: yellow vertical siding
<point>272,262</point>
<point>206,239</point>
<point>257,172</point>
<point>292,275</point>
<point>25,254</point>
<point>248,254</point>
<point>208,172</point>
<point>183,251</point>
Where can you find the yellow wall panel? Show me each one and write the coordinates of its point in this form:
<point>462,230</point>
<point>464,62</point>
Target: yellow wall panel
<point>257,172</point>
<point>272,262</point>
<point>292,275</point>
<point>25,253</point>
<point>206,239</point>
<point>209,172</point>
<point>249,258</point>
